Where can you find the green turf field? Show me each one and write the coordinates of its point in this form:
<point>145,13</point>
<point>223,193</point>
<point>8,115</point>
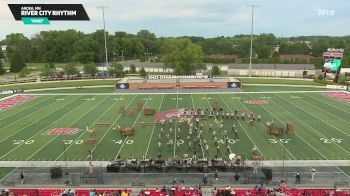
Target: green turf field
<point>4,171</point>
<point>321,127</point>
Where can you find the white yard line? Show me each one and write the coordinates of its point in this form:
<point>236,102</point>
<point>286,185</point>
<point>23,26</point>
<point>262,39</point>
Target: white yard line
<point>271,135</point>
<point>39,132</point>
<point>328,103</point>
<point>81,116</point>
<point>154,126</point>
<point>311,114</point>
<point>84,131</point>
<point>319,133</point>
<point>7,174</point>
<point>243,128</point>
<point>18,111</point>
<point>110,127</point>
<point>8,97</point>
<point>343,120</point>
<point>175,130</point>
<point>200,140</point>
<point>2,128</point>
<point>294,133</point>
<point>20,130</point>
<point>132,126</point>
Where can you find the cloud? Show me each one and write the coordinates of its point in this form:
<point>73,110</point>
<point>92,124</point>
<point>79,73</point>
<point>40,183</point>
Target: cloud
<point>206,18</point>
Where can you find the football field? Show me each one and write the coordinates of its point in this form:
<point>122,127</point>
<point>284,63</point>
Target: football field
<point>52,127</point>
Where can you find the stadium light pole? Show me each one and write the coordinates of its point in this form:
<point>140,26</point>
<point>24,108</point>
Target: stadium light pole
<point>251,38</point>
<point>104,33</point>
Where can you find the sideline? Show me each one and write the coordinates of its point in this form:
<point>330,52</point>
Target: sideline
<point>266,163</point>
<point>182,93</point>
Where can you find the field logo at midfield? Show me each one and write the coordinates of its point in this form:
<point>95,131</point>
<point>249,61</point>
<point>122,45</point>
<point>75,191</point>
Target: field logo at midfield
<point>13,101</point>
<point>256,102</point>
<point>173,114</point>
<point>63,131</point>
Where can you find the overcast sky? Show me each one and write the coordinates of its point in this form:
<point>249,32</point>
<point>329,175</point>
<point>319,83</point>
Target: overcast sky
<point>208,18</point>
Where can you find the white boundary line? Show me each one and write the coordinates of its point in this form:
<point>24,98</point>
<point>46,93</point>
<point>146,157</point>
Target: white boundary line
<point>319,133</point>
<point>173,93</point>
<point>287,163</point>
<point>120,149</point>
<point>328,103</point>
<point>20,130</point>
<point>262,125</point>
<point>294,133</point>
<point>7,174</point>
<point>14,95</point>
<point>42,130</point>
<point>28,117</point>
<point>154,126</point>
<point>110,127</point>
<point>81,116</point>
<point>18,111</point>
<point>346,120</point>
<point>7,97</point>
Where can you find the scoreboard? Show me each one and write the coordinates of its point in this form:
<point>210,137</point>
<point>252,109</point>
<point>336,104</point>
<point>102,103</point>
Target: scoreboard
<point>332,60</point>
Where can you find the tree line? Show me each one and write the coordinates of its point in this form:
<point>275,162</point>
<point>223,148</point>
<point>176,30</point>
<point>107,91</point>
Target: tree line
<point>185,54</point>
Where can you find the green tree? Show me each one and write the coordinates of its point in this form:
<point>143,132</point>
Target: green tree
<point>90,69</point>
<point>17,62</point>
<point>178,71</point>
<point>215,71</point>
<point>183,53</point>
<point>2,68</point>
<point>143,72</point>
<point>24,72</point>
<point>2,56</point>
<point>86,50</point>
<point>132,69</point>
<point>111,45</point>
<point>48,70</point>
<point>70,69</point>
<point>18,45</point>
<point>148,40</point>
<point>117,69</point>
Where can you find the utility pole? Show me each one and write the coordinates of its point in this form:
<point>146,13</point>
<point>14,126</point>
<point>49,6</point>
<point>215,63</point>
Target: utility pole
<point>251,39</point>
<point>104,33</point>
<point>122,55</point>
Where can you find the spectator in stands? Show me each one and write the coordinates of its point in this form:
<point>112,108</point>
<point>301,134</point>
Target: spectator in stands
<point>64,193</point>
<point>92,192</point>
<point>70,193</point>
<point>163,189</point>
<point>124,193</point>
<point>297,178</point>
<point>236,177</point>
